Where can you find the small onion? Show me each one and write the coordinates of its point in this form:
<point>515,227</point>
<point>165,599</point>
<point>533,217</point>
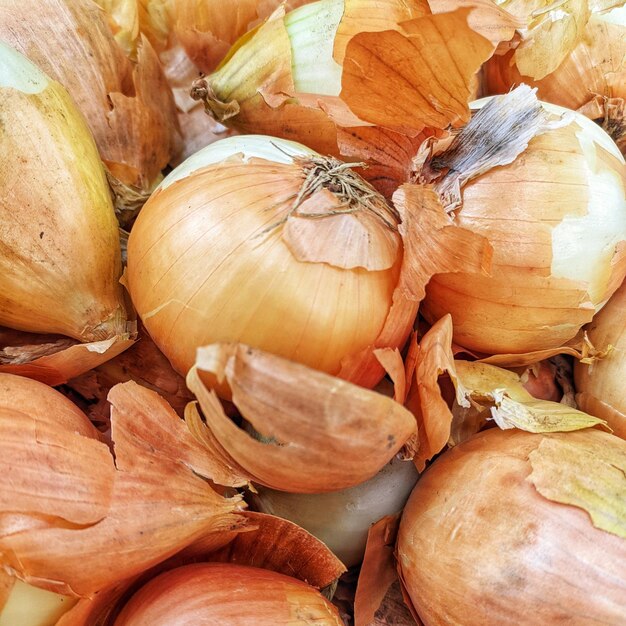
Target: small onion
<point>488,536</point>
<point>224,252</point>
<point>341,519</point>
<point>556,218</point>
<point>223,593</point>
<point>600,384</point>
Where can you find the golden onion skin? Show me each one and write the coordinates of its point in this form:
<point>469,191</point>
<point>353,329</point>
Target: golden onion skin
<point>600,385</point>
<point>556,218</point>
<point>479,545</point>
<point>233,595</point>
<point>206,266</point>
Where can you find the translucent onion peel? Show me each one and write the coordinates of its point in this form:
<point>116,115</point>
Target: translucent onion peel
<point>482,392</point>
<point>127,105</point>
<point>566,255</point>
<point>591,79</point>
<point>29,606</point>
<point>600,383</point>
<point>301,75</point>
<point>317,433</point>
<point>468,556</point>
<point>341,519</point>
<point>145,505</point>
<point>228,594</point>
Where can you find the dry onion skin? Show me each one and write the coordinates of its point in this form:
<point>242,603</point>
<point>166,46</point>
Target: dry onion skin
<point>54,190</point>
<point>600,382</point>
<point>519,528</point>
<point>352,64</point>
<point>73,519</point>
<point>127,104</point>
<point>591,79</point>
<point>216,593</point>
<point>556,218</point>
<point>303,430</point>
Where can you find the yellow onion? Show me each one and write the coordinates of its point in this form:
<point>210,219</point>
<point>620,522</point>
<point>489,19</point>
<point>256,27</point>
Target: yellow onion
<point>60,261</point>
<point>230,594</point>
<point>591,79</point>
<point>253,240</point>
<point>341,519</point>
<point>600,383</point>
<point>352,64</point>
<point>127,104</point>
<point>556,219</point>
<point>521,529</point>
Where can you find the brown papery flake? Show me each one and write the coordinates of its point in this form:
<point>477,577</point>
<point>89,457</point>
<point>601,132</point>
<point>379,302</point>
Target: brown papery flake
<point>314,432</point>
<point>158,505</point>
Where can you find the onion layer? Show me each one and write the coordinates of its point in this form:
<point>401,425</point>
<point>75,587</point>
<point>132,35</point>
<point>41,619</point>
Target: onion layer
<point>556,218</point>
<point>484,538</point>
<point>222,593</point>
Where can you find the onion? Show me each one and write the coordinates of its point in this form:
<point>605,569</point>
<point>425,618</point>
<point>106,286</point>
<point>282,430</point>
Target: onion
<point>556,218</point>
<point>341,519</point>
<point>600,382</point>
<point>30,606</point>
<point>518,528</point>
<point>226,250</point>
<point>216,593</point>
<point>127,104</point>
<point>591,79</point>
<point>60,253</point>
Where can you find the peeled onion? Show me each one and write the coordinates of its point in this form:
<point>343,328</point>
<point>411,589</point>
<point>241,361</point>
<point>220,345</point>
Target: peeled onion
<point>556,218</point>
<point>223,593</point>
<point>218,254</point>
<point>600,384</point>
<point>499,530</point>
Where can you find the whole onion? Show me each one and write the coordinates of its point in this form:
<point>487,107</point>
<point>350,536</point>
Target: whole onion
<point>264,242</point>
<point>556,218</point>
<point>223,593</point>
<point>600,384</point>
<point>489,537</point>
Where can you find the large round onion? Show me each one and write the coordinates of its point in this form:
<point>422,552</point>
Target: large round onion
<point>478,544</point>
<point>600,385</point>
<point>222,593</point>
<point>556,217</point>
<point>213,257</point>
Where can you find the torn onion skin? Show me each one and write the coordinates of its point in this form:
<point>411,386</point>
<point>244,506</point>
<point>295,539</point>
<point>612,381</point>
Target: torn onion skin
<point>478,543</point>
<point>556,218</point>
<point>237,595</point>
<point>600,384</point>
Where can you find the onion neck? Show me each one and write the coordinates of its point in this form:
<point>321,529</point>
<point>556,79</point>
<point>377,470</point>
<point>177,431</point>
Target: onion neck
<point>202,91</point>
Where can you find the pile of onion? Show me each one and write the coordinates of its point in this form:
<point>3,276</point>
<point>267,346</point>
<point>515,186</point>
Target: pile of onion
<point>519,528</point>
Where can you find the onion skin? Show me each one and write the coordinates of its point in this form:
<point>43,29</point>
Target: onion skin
<point>202,270</point>
<point>479,545</point>
<point>600,385</point>
<point>556,218</point>
<point>218,593</point>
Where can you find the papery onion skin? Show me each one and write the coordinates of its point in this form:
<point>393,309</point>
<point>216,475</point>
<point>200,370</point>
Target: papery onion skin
<point>479,545</point>
<point>223,593</point>
<point>60,261</point>
<point>30,606</point>
<point>600,384</point>
<point>556,218</point>
<point>206,264</point>
<point>341,519</point>
<point>596,67</point>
